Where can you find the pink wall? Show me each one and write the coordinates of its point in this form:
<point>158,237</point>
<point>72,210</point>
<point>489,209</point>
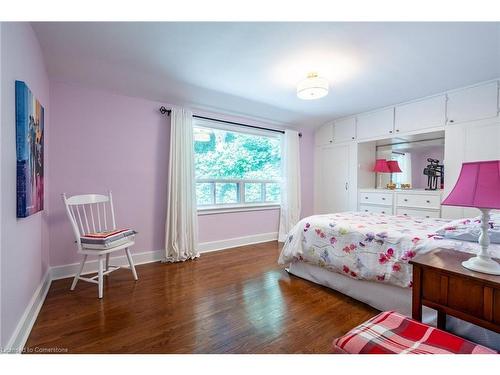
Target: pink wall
<point>24,242</point>
<point>100,140</point>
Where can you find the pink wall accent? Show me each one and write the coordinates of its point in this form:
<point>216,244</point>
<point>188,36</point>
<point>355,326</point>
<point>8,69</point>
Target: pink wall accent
<point>103,141</point>
<point>100,140</point>
<point>238,224</point>
<point>24,242</point>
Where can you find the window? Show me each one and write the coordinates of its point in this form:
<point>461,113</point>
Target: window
<point>404,162</point>
<point>235,168</point>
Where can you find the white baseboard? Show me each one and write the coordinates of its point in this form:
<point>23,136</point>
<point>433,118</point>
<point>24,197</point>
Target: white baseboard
<point>23,329</point>
<point>69,270</point>
<point>206,247</point>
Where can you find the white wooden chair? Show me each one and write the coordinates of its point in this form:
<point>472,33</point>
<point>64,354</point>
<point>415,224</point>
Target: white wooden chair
<point>91,213</point>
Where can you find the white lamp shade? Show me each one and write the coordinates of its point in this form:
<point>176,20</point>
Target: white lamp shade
<point>313,87</point>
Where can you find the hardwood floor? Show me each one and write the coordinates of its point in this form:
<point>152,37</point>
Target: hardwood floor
<point>232,301</point>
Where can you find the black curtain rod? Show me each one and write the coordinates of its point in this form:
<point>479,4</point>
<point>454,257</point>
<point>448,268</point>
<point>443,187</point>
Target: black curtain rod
<point>166,111</point>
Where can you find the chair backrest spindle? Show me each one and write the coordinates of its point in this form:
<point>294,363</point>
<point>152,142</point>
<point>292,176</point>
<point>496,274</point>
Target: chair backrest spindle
<point>105,215</point>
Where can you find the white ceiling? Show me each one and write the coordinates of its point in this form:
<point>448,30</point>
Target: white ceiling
<point>252,68</point>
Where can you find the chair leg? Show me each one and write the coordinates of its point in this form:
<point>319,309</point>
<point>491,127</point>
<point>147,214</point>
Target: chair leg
<point>75,280</point>
<point>100,277</point>
<point>107,262</point>
<point>131,263</point>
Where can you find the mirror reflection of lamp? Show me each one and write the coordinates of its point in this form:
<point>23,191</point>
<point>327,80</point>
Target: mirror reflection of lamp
<point>393,167</point>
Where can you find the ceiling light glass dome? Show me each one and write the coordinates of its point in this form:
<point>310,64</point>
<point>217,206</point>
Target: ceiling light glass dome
<point>313,87</point>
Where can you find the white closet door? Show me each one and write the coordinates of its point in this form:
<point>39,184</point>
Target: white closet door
<point>324,135</point>
<point>333,178</point>
<point>421,114</point>
<point>474,103</point>
<point>375,124</point>
<point>344,130</point>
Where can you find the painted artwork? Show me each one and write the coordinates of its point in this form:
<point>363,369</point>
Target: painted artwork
<point>29,151</point>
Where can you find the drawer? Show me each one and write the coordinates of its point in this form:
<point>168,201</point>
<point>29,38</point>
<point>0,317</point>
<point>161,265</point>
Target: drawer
<point>419,200</point>
<point>376,209</point>
<point>417,213</point>
<point>375,198</point>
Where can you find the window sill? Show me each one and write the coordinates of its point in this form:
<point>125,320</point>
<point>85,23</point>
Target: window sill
<point>214,210</point>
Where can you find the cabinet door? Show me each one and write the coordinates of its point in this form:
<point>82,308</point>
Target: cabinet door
<point>474,103</point>
<point>333,179</point>
<point>344,130</point>
<point>375,124</point>
<point>422,114</point>
<point>467,142</point>
<point>324,135</point>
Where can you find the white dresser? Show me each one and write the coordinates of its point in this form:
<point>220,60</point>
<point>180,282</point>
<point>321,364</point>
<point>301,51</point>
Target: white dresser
<point>417,203</point>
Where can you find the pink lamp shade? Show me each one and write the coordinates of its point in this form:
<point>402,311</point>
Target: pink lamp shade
<point>393,166</point>
<point>381,166</point>
<point>478,186</point>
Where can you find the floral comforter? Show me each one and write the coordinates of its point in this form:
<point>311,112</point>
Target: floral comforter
<point>368,246</point>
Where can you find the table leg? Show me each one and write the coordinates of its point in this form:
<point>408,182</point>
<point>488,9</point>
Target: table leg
<point>417,294</point>
<point>441,321</point>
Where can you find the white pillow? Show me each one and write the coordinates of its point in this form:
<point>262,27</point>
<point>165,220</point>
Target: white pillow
<point>470,229</point>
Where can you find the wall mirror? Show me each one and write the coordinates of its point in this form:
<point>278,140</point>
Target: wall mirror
<point>420,161</point>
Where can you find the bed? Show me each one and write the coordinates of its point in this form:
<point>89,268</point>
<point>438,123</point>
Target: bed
<point>366,255</point>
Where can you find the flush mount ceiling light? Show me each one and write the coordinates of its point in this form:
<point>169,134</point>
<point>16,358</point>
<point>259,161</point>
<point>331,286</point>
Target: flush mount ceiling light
<point>313,87</point>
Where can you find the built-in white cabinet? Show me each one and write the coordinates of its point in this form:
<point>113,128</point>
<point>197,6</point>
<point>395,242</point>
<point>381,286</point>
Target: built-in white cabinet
<point>324,135</point>
<point>471,141</point>
<point>421,114</point>
<point>346,151</point>
<point>375,124</point>
<point>417,203</point>
<point>473,103</point>
<point>344,130</point>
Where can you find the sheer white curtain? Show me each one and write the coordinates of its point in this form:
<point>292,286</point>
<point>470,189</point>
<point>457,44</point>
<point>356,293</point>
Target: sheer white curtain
<point>181,238</point>
<point>290,185</point>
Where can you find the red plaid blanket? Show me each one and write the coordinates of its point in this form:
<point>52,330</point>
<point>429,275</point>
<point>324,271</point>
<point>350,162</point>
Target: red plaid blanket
<point>393,333</point>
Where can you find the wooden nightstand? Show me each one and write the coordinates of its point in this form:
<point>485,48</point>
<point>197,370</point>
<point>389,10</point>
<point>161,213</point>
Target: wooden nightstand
<point>440,282</point>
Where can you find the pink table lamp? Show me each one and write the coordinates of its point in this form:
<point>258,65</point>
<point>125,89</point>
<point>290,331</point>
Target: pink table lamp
<point>381,166</point>
<point>479,186</point>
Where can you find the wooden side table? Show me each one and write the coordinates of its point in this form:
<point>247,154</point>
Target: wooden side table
<point>441,283</point>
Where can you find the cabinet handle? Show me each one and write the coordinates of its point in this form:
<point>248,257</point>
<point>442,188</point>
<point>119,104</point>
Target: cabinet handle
<point>390,131</point>
<point>352,137</point>
<point>428,201</point>
<point>383,199</point>
<point>452,120</point>
<point>331,141</point>
<point>346,185</point>
<point>427,216</point>
<point>366,210</point>
<point>406,199</point>
<point>366,197</point>
<point>397,130</point>
<point>383,212</point>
